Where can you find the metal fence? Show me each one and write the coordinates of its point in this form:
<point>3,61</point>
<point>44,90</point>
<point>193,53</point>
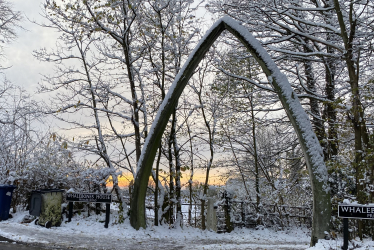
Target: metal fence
<point>244,214</point>
<point>190,214</point>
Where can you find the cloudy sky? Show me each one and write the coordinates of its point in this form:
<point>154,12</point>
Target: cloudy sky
<point>25,70</point>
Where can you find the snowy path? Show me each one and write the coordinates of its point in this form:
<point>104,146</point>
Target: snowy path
<point>87,233</point>
<point>87,241</point>
<point>52,237</point>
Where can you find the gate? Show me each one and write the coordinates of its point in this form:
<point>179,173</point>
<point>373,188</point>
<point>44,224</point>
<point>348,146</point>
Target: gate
<point>240,213</point>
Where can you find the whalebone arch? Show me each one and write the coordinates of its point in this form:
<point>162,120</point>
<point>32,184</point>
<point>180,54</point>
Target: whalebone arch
<point>296,114</point>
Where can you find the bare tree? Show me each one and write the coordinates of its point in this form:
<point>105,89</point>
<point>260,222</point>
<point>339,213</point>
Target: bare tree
<point>9,20</point>
<point>114,63</point>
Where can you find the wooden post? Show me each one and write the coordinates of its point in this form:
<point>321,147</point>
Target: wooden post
<point>195,214</point>
<point>88,209</point>
<point>227,208</point>
<point>243,213</point>
<point>211,218</point>
<point>70,211</point>
<point>107,215</point>
<point>304,214</point>
<point>130,189</point>
<point>345,234</point>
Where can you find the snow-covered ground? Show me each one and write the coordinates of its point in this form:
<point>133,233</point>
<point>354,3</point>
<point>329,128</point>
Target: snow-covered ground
<point>89,233</point>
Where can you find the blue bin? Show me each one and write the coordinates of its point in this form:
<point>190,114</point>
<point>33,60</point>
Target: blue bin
<point>6,192</point>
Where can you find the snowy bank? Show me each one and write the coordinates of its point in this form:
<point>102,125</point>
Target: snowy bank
<point>89,233</point>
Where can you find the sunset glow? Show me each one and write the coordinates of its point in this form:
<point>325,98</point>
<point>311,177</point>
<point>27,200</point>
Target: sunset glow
<point>214,179</point>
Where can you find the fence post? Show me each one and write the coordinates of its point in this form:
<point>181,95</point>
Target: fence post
<point>243,213</point>
<point>211,211</point>
<point>195,214</point>
<point>345,233</point>
<point>227,208</point>
<point>70,211</point>
<point>107,214</point>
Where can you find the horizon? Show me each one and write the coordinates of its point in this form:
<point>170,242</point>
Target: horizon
<point>217,180</point>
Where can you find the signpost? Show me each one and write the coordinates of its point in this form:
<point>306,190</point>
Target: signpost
<point>353,211</point>
<point>87,197</point>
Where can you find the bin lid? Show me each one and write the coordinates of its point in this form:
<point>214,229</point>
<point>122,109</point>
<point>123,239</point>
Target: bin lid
<point>7,186</point>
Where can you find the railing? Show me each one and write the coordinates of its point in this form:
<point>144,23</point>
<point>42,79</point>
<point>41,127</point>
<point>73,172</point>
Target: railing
<point>248,214</point>
<point>243,214</point>
<point>193,221</point>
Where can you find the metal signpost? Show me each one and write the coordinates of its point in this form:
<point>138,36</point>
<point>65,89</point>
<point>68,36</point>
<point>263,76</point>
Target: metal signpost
<point>353,211</point>
<point>86,197</point>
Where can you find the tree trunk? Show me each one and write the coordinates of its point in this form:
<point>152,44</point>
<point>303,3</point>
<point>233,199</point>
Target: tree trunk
<point>179,215</point>
<point>357,110</point>
<point>330,112</point>
<point>257,177</point>
<point>191,177</point>
<point>157,206</point>
<point>313,103</point>
<point>171,177</point>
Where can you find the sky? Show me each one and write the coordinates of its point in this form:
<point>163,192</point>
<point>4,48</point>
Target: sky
<point>25,70</point>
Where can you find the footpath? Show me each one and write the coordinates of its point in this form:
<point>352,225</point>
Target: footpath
<point>89,233</point>
<point>52,239</point>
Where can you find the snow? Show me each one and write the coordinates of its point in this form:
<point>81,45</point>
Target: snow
<point>89,232</point>
<point>366,244</point>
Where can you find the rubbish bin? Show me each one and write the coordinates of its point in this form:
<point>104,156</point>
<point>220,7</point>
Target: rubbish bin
<point>46,203</point>
<point>6,192</point>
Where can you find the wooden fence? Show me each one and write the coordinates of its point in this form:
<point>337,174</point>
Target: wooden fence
<point>248,214</point>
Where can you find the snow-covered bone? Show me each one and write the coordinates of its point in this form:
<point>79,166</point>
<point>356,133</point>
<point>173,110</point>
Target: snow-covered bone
<point>299,119</point>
